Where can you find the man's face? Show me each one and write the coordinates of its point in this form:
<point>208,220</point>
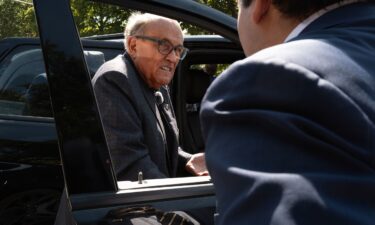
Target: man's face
<point>155,68</point>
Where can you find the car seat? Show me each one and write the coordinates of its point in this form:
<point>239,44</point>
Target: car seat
<point>197,82</point>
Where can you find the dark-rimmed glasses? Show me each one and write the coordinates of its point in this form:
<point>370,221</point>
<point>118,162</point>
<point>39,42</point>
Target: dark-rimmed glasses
<point>165,47</point>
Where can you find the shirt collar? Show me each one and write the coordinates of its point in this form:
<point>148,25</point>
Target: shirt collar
<point>298,29</point>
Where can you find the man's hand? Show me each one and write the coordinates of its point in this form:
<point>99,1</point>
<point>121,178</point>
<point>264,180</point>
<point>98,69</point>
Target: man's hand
<point>197,165</point>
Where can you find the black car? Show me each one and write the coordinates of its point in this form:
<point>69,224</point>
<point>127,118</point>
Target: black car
<point>43,124</point>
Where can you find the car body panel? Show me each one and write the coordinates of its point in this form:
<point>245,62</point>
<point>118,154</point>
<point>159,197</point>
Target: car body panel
<point>86,161</point>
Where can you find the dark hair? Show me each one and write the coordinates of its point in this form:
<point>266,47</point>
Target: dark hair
<point>299,8</point>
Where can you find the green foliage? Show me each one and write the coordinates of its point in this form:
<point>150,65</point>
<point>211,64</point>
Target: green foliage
<point>227,6</point>
<point>17,17</point>
<point>98,18</point>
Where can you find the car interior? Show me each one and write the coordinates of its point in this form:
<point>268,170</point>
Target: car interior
<point>193,77</point>
<point>27,81</point>
<point>37,101</point>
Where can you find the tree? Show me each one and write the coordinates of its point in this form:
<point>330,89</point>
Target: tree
<point>17,19</point>
<point>97,18</point>
<point>227,6</point>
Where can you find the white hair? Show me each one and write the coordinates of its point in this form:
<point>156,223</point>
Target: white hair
<point>137,21</point>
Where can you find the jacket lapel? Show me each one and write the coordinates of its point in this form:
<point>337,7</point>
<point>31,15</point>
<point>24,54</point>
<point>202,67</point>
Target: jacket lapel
<point>171,125</point>
<point>151,102</point>
<point>147,93</point>
<point>166,107</point>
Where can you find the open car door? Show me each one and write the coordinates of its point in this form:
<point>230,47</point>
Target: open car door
<point>89,177</point>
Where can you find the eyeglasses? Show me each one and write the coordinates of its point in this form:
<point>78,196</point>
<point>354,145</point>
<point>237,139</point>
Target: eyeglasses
<point>165,47</point>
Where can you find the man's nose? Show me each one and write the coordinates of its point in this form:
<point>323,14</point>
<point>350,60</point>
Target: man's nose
<point>172,56</point>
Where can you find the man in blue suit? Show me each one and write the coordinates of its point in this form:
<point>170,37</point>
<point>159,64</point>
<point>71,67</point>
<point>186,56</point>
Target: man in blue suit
<point>290,130</point>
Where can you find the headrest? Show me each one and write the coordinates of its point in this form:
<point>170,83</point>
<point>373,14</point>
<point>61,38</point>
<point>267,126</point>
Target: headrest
<point>30,55</point>
<point>197,82</point>
<point>94,60</point>
<point>37,101</point>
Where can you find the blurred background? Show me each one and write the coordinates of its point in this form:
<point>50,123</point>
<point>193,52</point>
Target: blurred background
<point>17,17</point>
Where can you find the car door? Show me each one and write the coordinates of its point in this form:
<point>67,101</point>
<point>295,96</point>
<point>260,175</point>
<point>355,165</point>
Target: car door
<point>90,181</point>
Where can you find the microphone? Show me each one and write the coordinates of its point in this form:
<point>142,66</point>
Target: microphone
<point>159,97</point>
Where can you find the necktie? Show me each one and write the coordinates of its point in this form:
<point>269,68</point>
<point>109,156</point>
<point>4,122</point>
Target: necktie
<point>162,107</point>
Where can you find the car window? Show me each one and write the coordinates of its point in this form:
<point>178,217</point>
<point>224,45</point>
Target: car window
<point>23,81</point>
<point>104,19</point>
<point>18,71</point>
<point>85,114</point>
<point>104,25</point>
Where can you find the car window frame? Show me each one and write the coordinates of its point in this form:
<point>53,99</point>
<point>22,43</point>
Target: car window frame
<point>52,45</point>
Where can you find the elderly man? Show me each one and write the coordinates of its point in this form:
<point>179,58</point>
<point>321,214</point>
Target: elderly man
<point>291,128</point>
<point>135,105</point>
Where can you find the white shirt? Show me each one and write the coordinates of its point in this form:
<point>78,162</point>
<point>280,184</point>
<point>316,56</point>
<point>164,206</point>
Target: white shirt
<point>298,29</point>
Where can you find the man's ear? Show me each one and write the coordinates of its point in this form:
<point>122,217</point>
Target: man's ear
<point>260,9</point>
<point>132,43</point>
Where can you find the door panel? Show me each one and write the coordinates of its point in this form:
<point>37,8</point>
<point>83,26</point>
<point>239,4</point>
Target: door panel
<point>83,149</point>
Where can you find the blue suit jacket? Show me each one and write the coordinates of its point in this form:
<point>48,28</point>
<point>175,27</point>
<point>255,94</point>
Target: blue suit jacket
<point>290,131</point>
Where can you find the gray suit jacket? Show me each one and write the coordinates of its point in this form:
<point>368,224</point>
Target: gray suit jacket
<point>135,132</point>
<point>292,128</point>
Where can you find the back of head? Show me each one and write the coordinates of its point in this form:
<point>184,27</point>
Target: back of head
<point>300,9</point>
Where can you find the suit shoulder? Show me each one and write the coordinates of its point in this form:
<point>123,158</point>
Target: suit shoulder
<point>116,68</point>
<point>309,55</point>
<point>305,52</point>
<point>115,64</point>
<point>283,64</point>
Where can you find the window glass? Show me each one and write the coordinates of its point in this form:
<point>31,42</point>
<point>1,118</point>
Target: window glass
<point>19,70</point>
<point>228,7</point>
<point>95,18</point>
<point>17,19</point>
<point>102,22</point>
<point>23,81</point>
